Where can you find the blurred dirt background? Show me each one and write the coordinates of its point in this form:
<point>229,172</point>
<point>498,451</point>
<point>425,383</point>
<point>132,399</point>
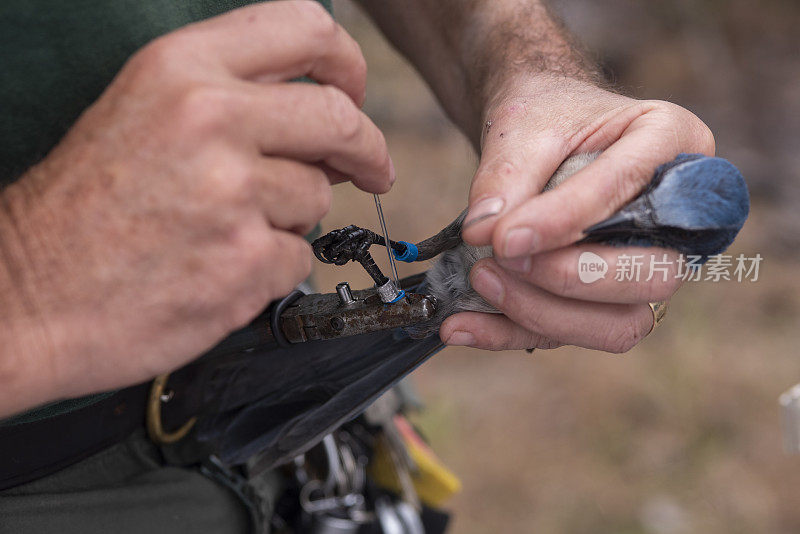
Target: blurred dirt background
<point>682,435</point>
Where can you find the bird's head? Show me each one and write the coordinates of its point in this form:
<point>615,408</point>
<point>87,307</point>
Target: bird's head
<point>695,192</point>
<point>695,204</point>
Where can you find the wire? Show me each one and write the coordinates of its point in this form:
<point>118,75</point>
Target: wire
<point>387,242</point>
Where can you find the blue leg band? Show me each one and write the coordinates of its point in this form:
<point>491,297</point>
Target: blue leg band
<point>410,255</point>
<point>400,297</point>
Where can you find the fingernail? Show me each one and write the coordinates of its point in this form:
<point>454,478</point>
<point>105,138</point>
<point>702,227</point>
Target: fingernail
<point>460,338</point>
<point>489,285</point>
<point>487,207</point>
<point>519,242</point>
<point>519,265</point>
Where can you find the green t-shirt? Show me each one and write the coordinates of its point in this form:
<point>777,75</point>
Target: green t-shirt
<point>56,58</point>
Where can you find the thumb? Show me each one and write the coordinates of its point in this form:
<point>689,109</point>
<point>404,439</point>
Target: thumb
<point>512,169</point>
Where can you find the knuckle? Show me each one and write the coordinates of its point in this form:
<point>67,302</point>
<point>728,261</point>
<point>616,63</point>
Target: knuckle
<point>564,279</point>
<point>664,108</point>
<point>661,105</point>
<point>502,168</point>
<point>203,111</point>
<point>344,117</point>
<point>678,119</point>
<point>229,180</point>
<point>248,253</point>
<point>159,54</point>
<point>321,24</point>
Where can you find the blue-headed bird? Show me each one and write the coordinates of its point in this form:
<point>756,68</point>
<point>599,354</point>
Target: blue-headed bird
<point>694,204</point>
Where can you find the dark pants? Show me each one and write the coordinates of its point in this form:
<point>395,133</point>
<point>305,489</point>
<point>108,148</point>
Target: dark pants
<point>124,489</point>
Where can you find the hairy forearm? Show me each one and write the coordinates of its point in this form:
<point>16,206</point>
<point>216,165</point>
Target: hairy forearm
<point>468,50</point>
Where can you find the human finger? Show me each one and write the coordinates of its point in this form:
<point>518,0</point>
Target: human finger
<point>279,41</point>
<point>319,124</point>
<point>602,273</point>
<point>558,218</point>
<point>491,332</point>
<point>293,195</point>
<point>602,326</point>
<point>291,265</point>
<point>513,168</point>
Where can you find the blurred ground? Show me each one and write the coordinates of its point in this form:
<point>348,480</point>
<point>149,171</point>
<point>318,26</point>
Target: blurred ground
<point>682,435</point>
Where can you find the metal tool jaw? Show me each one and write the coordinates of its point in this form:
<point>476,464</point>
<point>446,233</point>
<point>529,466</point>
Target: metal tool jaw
<point>298,317</point>
<point>349,313</point>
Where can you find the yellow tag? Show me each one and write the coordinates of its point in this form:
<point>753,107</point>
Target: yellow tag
<point>433,481</point>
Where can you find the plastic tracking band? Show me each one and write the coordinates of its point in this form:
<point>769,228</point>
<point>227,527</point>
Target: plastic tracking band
<point>409,255</point>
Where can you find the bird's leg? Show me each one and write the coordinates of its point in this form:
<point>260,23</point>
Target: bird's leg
<point>448,238</point>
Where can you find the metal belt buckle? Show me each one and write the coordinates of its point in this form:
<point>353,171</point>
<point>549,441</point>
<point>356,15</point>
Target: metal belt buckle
<point>155,428</point>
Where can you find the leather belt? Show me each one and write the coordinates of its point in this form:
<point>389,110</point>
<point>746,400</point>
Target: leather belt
<point>166,407</point>
<point>35,449</point>
<point>32,450</point>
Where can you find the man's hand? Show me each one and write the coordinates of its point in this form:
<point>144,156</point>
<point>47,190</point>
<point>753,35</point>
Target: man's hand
<point>511,78</point>
<point>174,209</point>
<point>531,129</point>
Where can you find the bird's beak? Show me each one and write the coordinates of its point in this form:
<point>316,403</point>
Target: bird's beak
<point>615,223</point>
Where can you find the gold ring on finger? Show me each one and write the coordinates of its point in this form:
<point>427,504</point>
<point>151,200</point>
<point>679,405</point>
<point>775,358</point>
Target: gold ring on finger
<point>659,310</point>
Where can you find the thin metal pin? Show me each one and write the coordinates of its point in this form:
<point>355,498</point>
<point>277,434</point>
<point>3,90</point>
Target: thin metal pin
<point>386,237</point>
